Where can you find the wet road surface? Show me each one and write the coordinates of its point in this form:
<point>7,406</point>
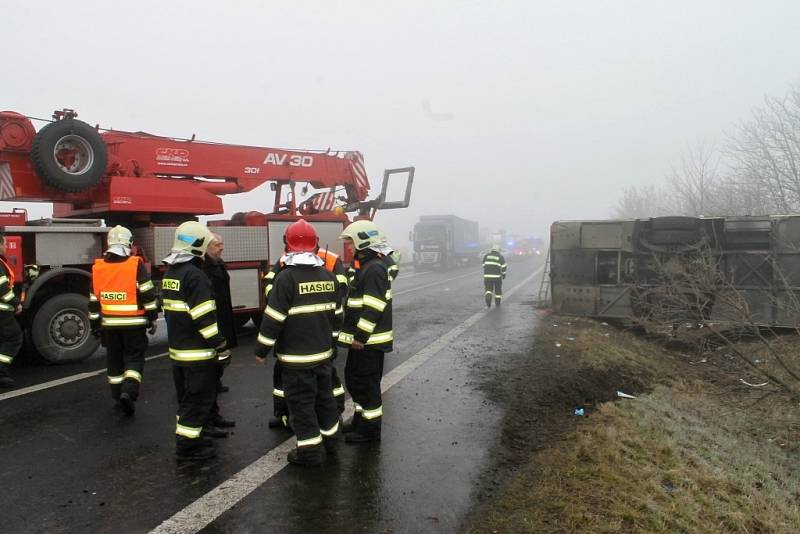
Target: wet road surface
<point>71,462</point>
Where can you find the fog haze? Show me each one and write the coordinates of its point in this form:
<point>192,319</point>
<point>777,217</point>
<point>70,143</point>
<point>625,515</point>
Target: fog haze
<point>514,113</point>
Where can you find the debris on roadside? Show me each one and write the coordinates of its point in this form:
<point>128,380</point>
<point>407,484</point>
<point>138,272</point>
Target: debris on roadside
<point>746,383</point>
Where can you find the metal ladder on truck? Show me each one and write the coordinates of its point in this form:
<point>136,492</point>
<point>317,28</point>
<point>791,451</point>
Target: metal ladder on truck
<point>543,299</point>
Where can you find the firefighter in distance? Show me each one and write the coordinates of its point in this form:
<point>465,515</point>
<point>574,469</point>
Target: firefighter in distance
<point>494,272</point>
<point>298,324</point>
<point>367,329</point>
<point>122,306</point>
<point>196,346</point>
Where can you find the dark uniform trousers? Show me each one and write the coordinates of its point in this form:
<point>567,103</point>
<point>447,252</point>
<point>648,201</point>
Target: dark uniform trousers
<point>309,398</point>
<point>10,339</point>
<point>279,408</point>
<point>363,373</point>
<point>125,349</point>
<point>196,387</point>
<point>493,285</point>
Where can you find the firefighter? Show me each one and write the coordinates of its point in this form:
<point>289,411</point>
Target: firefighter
<point>367,328</point>
<point>299,321</point>
<point>214,267</point>
<point>280,418</point>
<point>196,346</point>
<point>122,306</point>
<point>494,272</point>
<point>10,332</point>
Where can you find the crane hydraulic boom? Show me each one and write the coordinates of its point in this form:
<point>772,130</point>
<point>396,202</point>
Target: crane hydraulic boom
<point>87,172</point>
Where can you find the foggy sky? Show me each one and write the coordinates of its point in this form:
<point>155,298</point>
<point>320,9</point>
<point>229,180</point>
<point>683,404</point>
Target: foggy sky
<point>514,113</point>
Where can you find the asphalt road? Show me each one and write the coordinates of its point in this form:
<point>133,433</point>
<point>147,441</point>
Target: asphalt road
<point>70,462</point>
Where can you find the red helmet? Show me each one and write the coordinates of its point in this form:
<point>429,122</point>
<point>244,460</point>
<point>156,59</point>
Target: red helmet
<point>300,237</point>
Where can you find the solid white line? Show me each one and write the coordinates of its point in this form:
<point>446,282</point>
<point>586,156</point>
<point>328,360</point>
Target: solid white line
<point>61,381</point>
<point>213,504</point>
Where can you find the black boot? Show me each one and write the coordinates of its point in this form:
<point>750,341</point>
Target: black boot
<point>127,404</point>
<point>331,444</point>
<point>368,431</point>
<point>202,451</point>
<point>282,422</point>
<point>211,431</point>
<point>306,456</point>
<point>221,422</point>
<point>489,301</point>
<point>6,381</point>
<point>352,426</point>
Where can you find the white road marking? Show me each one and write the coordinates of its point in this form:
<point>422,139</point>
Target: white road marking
<point>61,381</point>
<point>213,504</point>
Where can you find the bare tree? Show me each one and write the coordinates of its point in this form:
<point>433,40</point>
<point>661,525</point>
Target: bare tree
<point>640,202</point>
<point>697,288</point>
<point>766,151</point>
<point>696,180</point>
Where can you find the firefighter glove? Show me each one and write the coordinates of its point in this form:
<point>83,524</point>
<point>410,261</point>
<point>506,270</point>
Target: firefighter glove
<point>153,328</point>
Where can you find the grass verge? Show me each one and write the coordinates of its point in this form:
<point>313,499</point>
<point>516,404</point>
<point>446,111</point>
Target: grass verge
<point>695,451</point>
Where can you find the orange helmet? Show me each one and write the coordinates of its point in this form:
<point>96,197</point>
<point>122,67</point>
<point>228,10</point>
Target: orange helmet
<point>300,236</point>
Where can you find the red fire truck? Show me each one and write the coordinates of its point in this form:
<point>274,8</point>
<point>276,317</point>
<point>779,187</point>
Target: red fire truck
<point>100,178</point>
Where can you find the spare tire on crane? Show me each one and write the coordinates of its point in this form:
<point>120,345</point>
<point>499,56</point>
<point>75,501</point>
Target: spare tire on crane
<point>69,155</point>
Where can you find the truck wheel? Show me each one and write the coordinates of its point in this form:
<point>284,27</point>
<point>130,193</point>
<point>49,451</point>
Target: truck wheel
<point>60,330</point>
<point>69,155</point>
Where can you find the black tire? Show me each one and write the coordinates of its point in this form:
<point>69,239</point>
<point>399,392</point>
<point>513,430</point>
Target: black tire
<point>674,223</point>
<point>61,332</point>
<point>77,139</point>
<point>674,237</point>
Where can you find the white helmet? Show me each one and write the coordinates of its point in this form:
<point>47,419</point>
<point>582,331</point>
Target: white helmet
<point>364,234</point>
<point>119,235</point>
<point>193,237</point>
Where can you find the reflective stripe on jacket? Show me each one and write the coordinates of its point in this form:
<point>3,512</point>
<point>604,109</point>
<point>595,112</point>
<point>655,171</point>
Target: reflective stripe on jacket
<point>368,309</point>
<point>191,315</point>
<point>494,265</point>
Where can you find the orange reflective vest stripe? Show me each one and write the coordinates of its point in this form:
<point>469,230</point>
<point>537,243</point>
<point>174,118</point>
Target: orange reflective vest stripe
<point>329,258</point>
<point>10,272</point>
<point>114,285</point>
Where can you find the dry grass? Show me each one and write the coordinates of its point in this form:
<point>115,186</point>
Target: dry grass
<point>692,455</point>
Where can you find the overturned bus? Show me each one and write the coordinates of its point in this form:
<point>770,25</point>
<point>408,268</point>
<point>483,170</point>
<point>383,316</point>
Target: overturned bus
<point>744,269</point>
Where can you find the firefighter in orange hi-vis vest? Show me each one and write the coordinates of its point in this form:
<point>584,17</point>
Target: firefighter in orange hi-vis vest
<point>122,306</point>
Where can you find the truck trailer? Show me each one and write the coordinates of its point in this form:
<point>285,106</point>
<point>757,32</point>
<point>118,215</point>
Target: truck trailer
<point>445,242</point>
